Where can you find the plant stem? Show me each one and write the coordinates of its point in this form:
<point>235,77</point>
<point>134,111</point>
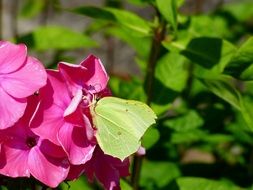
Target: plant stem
<point>159,34</point>
<point>154,55</point>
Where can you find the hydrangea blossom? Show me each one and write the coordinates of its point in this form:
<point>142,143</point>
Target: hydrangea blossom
<point>20,77</point>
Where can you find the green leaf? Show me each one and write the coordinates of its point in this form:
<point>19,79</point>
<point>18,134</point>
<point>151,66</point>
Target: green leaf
<point>227,92</point>
<point>246,110</point>
<point>217,53</point>
<point>168,9</point>
<point>241,64</point>
<point>218,138</point>
<point>56,37</point>
<point>172,72</point>
<point>124,185</point>
<point>80,183</point>
<point>32,8</point>
<point>120,125</point>
<point>184,123</point>
<point>242,11</point>
<point>193,183</point>
<point>150,137</point>
<point>128,89</point>
<point>209,26</point>
<point>141,2</point>
<point>3,188</point>
<point>224,90</point>
<point>140,44</point>
<point>162,97</point>
<point>188,136</point>
<point>240,130</point>
<point>95,12</point>
<point>155,175</point>
<point>122,17</point>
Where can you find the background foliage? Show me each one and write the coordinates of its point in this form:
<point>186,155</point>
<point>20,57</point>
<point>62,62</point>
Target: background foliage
<point>193,67</point>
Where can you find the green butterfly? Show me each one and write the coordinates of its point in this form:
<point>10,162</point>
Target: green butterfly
<point>120,125</point>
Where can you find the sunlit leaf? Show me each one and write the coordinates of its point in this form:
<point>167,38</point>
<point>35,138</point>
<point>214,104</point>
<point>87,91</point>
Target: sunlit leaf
<point>189,121</point>
<point>125,18</point>
<point>155,175</point>
<point>240,66</point>
<point>224,90</point>
<point>241,11</point>
<point>217,53</point>
<point>172,71</point>
<point>124,185</point>
<point>140,44</point>
<point>32,8</point>
<point>56,37</point>
<point>150,137</point>
<point>188,136</point>
<point>168,9</point>
<point>130,89</point>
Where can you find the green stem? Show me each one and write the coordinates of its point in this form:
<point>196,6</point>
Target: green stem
<point>159,34</point>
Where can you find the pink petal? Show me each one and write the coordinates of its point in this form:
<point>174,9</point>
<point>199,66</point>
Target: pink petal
<point>75,143</point>
<point>79,118</point>
<point>50,149</point>
<point>89,75</point>
<point>54,100</point>
<point>47,122</point>
<point>11,109</point>
<point>12,56</point>
<point>26,80</point>
<point>97,76</point>
<point>75,171</point>
<point>12,155</point>
<point>49,170</point>
<point>73,75</point>
<point>15,151</point>
<point>55,90</point>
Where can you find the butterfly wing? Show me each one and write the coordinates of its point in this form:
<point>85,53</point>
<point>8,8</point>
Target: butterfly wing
<point>121,124</point>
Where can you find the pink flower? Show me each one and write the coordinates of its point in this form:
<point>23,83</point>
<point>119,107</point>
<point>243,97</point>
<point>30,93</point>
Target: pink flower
<point>105,168</point>
<point>20,77</point>
<point>60,120</point>
<point>24,153</point>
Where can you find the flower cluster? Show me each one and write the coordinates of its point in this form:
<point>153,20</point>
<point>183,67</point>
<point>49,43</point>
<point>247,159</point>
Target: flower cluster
<point>46,128</point>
